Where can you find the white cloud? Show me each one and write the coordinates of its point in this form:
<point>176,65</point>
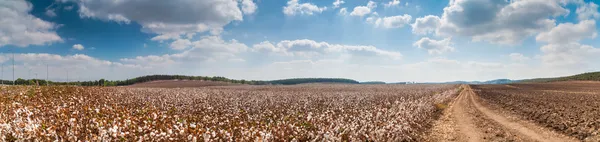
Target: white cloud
<point>78,47</point>
<point>425,25</point>
<point>363,10</point>
<point>79,66</point>
<point>564,50</point>
<point>360,11</point>
<point>248,7</point>
<point>83,67</point>
<point>371,5</point>
<point>499,21</point>
<point>588,11</point>
<point>22,29</point>
<point>294,8</point>
<point>337,3</point>
<point>571,56</point>
<point>151,60</point>
<point>206,49</point>
<point>268,47</point>
<point>180,44</point>
<point>50,13</point>
<point>164,37</point>
<point>343,11</point>
<point>393,21</point>
<point>518,57</point>
<point>310,48</point>
<point>435,47</point>
<point>156,16</point>
<point>393,3</point>
<point>569,32</point>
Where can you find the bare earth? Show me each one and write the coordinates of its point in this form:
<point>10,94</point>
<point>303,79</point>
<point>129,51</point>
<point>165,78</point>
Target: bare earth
<point>468,119</point>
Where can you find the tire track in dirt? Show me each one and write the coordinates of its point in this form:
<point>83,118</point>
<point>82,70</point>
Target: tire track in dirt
<point>456,124</point>
<point>467,120</point>
<point>464,121</point>
<point>518,127</point>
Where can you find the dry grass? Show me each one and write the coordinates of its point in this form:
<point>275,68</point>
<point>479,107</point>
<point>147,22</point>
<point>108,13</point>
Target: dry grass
<point>233,113</point>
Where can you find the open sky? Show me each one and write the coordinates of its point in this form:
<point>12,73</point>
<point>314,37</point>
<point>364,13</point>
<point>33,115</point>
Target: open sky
<point>378,40</point>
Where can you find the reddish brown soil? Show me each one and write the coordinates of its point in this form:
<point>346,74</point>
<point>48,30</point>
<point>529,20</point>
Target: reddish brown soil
<point>571,108</point>
<point>180,84</point>
<point>470,119</point>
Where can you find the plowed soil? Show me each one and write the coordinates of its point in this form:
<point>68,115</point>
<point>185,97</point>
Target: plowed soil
<point>470,119</point>
<point>570,108</point>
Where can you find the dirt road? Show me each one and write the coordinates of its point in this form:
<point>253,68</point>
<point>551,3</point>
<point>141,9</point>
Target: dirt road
<point>469,119</point>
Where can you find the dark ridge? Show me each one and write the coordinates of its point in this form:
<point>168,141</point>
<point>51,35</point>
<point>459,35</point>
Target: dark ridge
<point>590,76</point>
<point>294,81</point>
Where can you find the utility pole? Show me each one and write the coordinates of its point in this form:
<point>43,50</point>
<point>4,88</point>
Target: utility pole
<point>13,61</point>
<point>2,74</point>
<point>47,81</point>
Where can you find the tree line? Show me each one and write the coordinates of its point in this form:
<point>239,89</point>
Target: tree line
<point>142,79</point>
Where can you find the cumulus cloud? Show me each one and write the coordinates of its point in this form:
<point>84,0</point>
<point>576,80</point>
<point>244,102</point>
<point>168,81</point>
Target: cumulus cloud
<point>248,7</point>
<point>569,32</point>
<point>363,10</point>
<point>310,48</point>
<point>360,11</point>
<point>435,47</point>
<point>494,21</point>
<point>588,11</point>
<point>207,48</point>
<point>393,3</point>
<point>572,56</point>
<point>293,7</point>
<point>425,25</point>
<point>564,50</point>
<point>79,66</point>
<point>78,47</point>
<point>393,21</point>
<point>337,3</point>
<point>50,13</point>
<point>518,57</point>
<point>22,29</point>
<point>156,16</point>
<point>180,44</point>
<point>343,11</point>
<point>164,37</point>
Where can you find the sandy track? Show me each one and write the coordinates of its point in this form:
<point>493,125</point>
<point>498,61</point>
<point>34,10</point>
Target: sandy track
<point>464,120</point>
<point>468,120</point>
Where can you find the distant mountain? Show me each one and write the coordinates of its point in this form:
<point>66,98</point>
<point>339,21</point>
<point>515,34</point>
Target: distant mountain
<point>497,81</point>
<point>590,76</point>
<point>500,81</point>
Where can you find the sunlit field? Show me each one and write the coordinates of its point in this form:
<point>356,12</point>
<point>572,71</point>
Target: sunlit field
<point>322,112</point>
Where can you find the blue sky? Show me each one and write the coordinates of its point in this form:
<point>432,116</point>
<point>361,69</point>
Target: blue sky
<point>386,40</point>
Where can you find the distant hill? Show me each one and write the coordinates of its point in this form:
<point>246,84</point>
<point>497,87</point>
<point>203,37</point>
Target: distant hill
<point>590,76</point>
<point>500,81</point>
<point>497,81</point>
<point>373,82</point>
<point>294,81</point>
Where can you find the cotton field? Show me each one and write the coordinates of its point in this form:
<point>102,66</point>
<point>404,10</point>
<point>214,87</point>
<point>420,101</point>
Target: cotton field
<point>322,112</point>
